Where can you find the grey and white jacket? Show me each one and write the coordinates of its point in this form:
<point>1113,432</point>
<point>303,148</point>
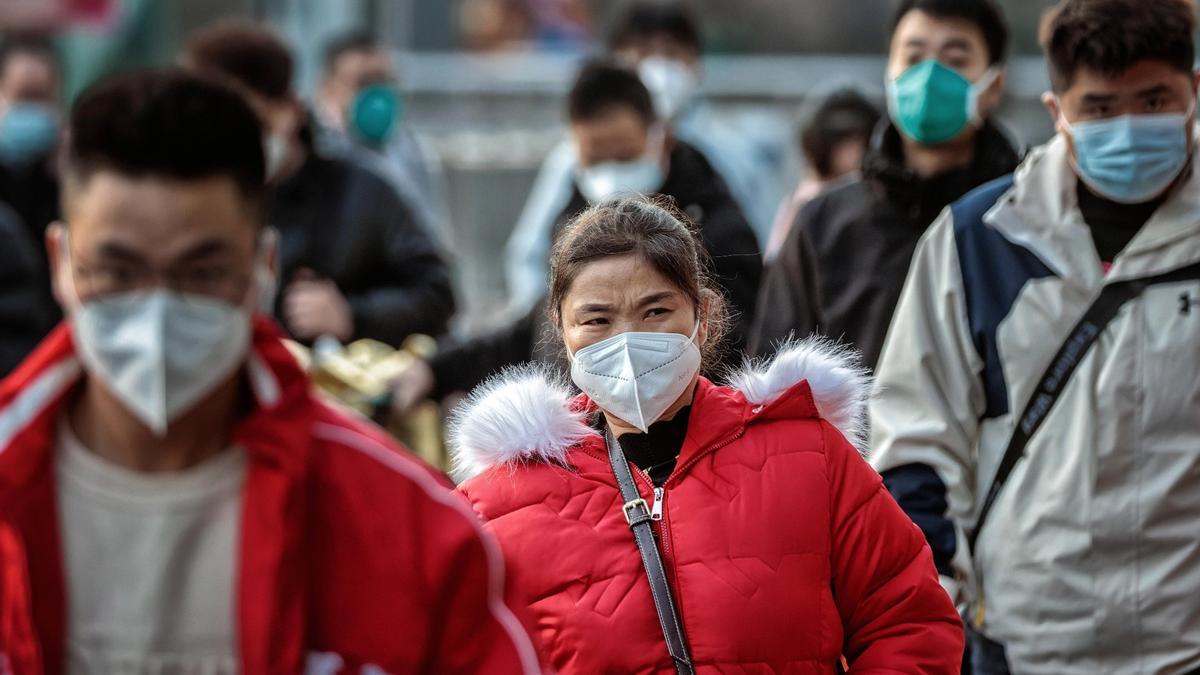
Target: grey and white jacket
<point>1090,559</point>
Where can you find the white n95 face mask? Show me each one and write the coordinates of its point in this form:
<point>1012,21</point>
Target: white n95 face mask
<point>637,376</point>
<point>672,84</point>
<point>613,179</point>
<point>160,352</point>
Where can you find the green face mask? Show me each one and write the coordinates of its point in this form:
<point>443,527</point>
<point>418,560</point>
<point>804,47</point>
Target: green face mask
<point>375,114</point>
<point>931,103</point>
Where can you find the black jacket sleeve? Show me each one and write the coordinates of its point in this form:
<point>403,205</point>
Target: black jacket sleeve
<point>26,313</point>
<point>737,263</point>
<point>462,366</point>
<point>788,303</point>
<point>412,290</point>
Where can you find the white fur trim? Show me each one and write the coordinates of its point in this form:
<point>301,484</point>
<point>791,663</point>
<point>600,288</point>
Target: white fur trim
<point>523,413</point>
<point>518,415</point>
<point>840,385</point>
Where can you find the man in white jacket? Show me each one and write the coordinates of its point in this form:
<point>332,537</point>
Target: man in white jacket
<point>1042,368</point>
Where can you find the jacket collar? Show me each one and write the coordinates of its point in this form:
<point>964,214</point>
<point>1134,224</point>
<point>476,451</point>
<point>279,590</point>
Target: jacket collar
<point>32,397</point>
<point>918,201</point>
<point>1041,213</point>
<point>527,414</point>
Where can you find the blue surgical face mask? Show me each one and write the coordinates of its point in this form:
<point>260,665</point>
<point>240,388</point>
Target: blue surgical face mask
<point>1132,158</point>
<point>27,131</point>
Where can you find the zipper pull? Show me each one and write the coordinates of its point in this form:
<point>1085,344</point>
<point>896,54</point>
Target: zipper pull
<point>656,510</point>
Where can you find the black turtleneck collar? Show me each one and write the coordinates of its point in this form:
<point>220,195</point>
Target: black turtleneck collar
<point>657,451</point>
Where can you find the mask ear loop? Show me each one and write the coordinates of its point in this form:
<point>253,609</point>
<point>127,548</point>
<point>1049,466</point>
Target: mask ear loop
<point>977,89</point>
<point>266,285</point>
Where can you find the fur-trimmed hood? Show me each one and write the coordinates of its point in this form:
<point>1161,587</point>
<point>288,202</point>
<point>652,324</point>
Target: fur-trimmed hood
<point>526,413</point>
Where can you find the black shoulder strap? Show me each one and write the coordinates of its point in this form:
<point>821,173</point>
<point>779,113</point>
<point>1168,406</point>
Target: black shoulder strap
<point>1062,366</point>
<point>637,514</point>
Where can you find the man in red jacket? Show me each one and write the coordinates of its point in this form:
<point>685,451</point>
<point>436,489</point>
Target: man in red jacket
<point>172,497</point>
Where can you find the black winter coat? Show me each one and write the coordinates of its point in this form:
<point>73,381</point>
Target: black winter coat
<point>347,224</point>
<point>845,260</point>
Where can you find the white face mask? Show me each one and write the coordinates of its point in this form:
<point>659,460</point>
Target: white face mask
<point>637,376</point>
<point>672,84</point>
<point>161,352</point>
<point>612,179</point>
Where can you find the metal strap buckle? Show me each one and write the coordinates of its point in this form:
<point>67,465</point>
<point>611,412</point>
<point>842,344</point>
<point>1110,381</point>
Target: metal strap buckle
<point>630,506</point>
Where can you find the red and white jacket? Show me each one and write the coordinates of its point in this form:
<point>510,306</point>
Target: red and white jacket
<point>353,556</point>
<point>782,547</point>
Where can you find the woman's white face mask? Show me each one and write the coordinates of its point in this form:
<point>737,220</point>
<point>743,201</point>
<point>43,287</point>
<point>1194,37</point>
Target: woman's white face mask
<point>637,376</point>
<point>159,351</point>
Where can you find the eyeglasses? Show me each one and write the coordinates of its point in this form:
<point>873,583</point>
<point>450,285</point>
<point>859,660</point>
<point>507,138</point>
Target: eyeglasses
<point>115,278</point>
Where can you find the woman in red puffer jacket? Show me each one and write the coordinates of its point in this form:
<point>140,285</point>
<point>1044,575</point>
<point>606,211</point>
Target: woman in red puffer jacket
<point>781,548</point>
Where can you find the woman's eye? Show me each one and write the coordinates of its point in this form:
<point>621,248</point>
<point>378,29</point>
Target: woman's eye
<point>595,322</point>
<point>1154,104</point>
<point>657,311</point>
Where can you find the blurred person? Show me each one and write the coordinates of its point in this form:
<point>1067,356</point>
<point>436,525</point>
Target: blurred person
<point>751,508</point>
<point>834,140</point>
<point>360,106</point>
<point>661,40</point>
<point>945,76</point>
<point>623,149</point>
<point>30,81</point>
<point>1038,407</point>
<point>175,499</point>
<point>355,263</point>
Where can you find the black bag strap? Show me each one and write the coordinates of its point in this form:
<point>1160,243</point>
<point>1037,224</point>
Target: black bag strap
<point>637,514</point>
<point>1062,367</point>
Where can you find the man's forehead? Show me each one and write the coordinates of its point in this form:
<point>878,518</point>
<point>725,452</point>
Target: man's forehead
<point>157,211</point>
<point>1142,79</point>
<point>937,32</point>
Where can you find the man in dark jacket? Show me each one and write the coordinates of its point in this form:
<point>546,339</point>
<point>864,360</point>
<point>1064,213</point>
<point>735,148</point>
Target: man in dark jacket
<point>842,267</point>
<point>622,149</point>
<point>354,262</point>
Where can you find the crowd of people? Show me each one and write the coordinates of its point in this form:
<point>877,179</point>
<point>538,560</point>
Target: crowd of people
<point>936,409</point>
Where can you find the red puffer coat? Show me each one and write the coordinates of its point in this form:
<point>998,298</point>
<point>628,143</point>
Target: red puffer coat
<point>783,549</point>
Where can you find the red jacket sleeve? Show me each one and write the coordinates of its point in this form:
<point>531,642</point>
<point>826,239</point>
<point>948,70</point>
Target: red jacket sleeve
<point>480,630</point>
<point>897,618</point>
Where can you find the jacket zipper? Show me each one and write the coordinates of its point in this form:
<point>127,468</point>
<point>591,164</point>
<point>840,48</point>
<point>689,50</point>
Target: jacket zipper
<point>656,510</point>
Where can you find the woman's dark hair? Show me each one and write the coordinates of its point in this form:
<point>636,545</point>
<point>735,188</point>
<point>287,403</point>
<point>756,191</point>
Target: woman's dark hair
<point>1110,36</point>
<point>844,115</point>
<point>658,232</point>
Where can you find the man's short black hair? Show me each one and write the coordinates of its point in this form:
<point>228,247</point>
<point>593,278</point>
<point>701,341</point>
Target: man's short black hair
<point>983,13</point>
<point>166,123</point>
<point>844,115</point>
<point>248,54</point>
<point>350,42</point>
<point>1110,36</point>
<point>36,44</point>
<point>645,19</point>
<point>602,86</point>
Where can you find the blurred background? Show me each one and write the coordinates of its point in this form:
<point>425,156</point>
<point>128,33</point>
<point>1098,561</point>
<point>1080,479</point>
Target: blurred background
<point>483,80</point>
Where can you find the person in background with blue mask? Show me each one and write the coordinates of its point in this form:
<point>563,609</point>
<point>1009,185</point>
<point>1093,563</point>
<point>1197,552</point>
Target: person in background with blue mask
<point>945,76</point>
<point>360,111</point>
<point>30,80</point>
<point>1037,410</point>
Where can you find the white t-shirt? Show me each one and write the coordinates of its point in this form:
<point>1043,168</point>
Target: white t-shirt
<point>151,563</point>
